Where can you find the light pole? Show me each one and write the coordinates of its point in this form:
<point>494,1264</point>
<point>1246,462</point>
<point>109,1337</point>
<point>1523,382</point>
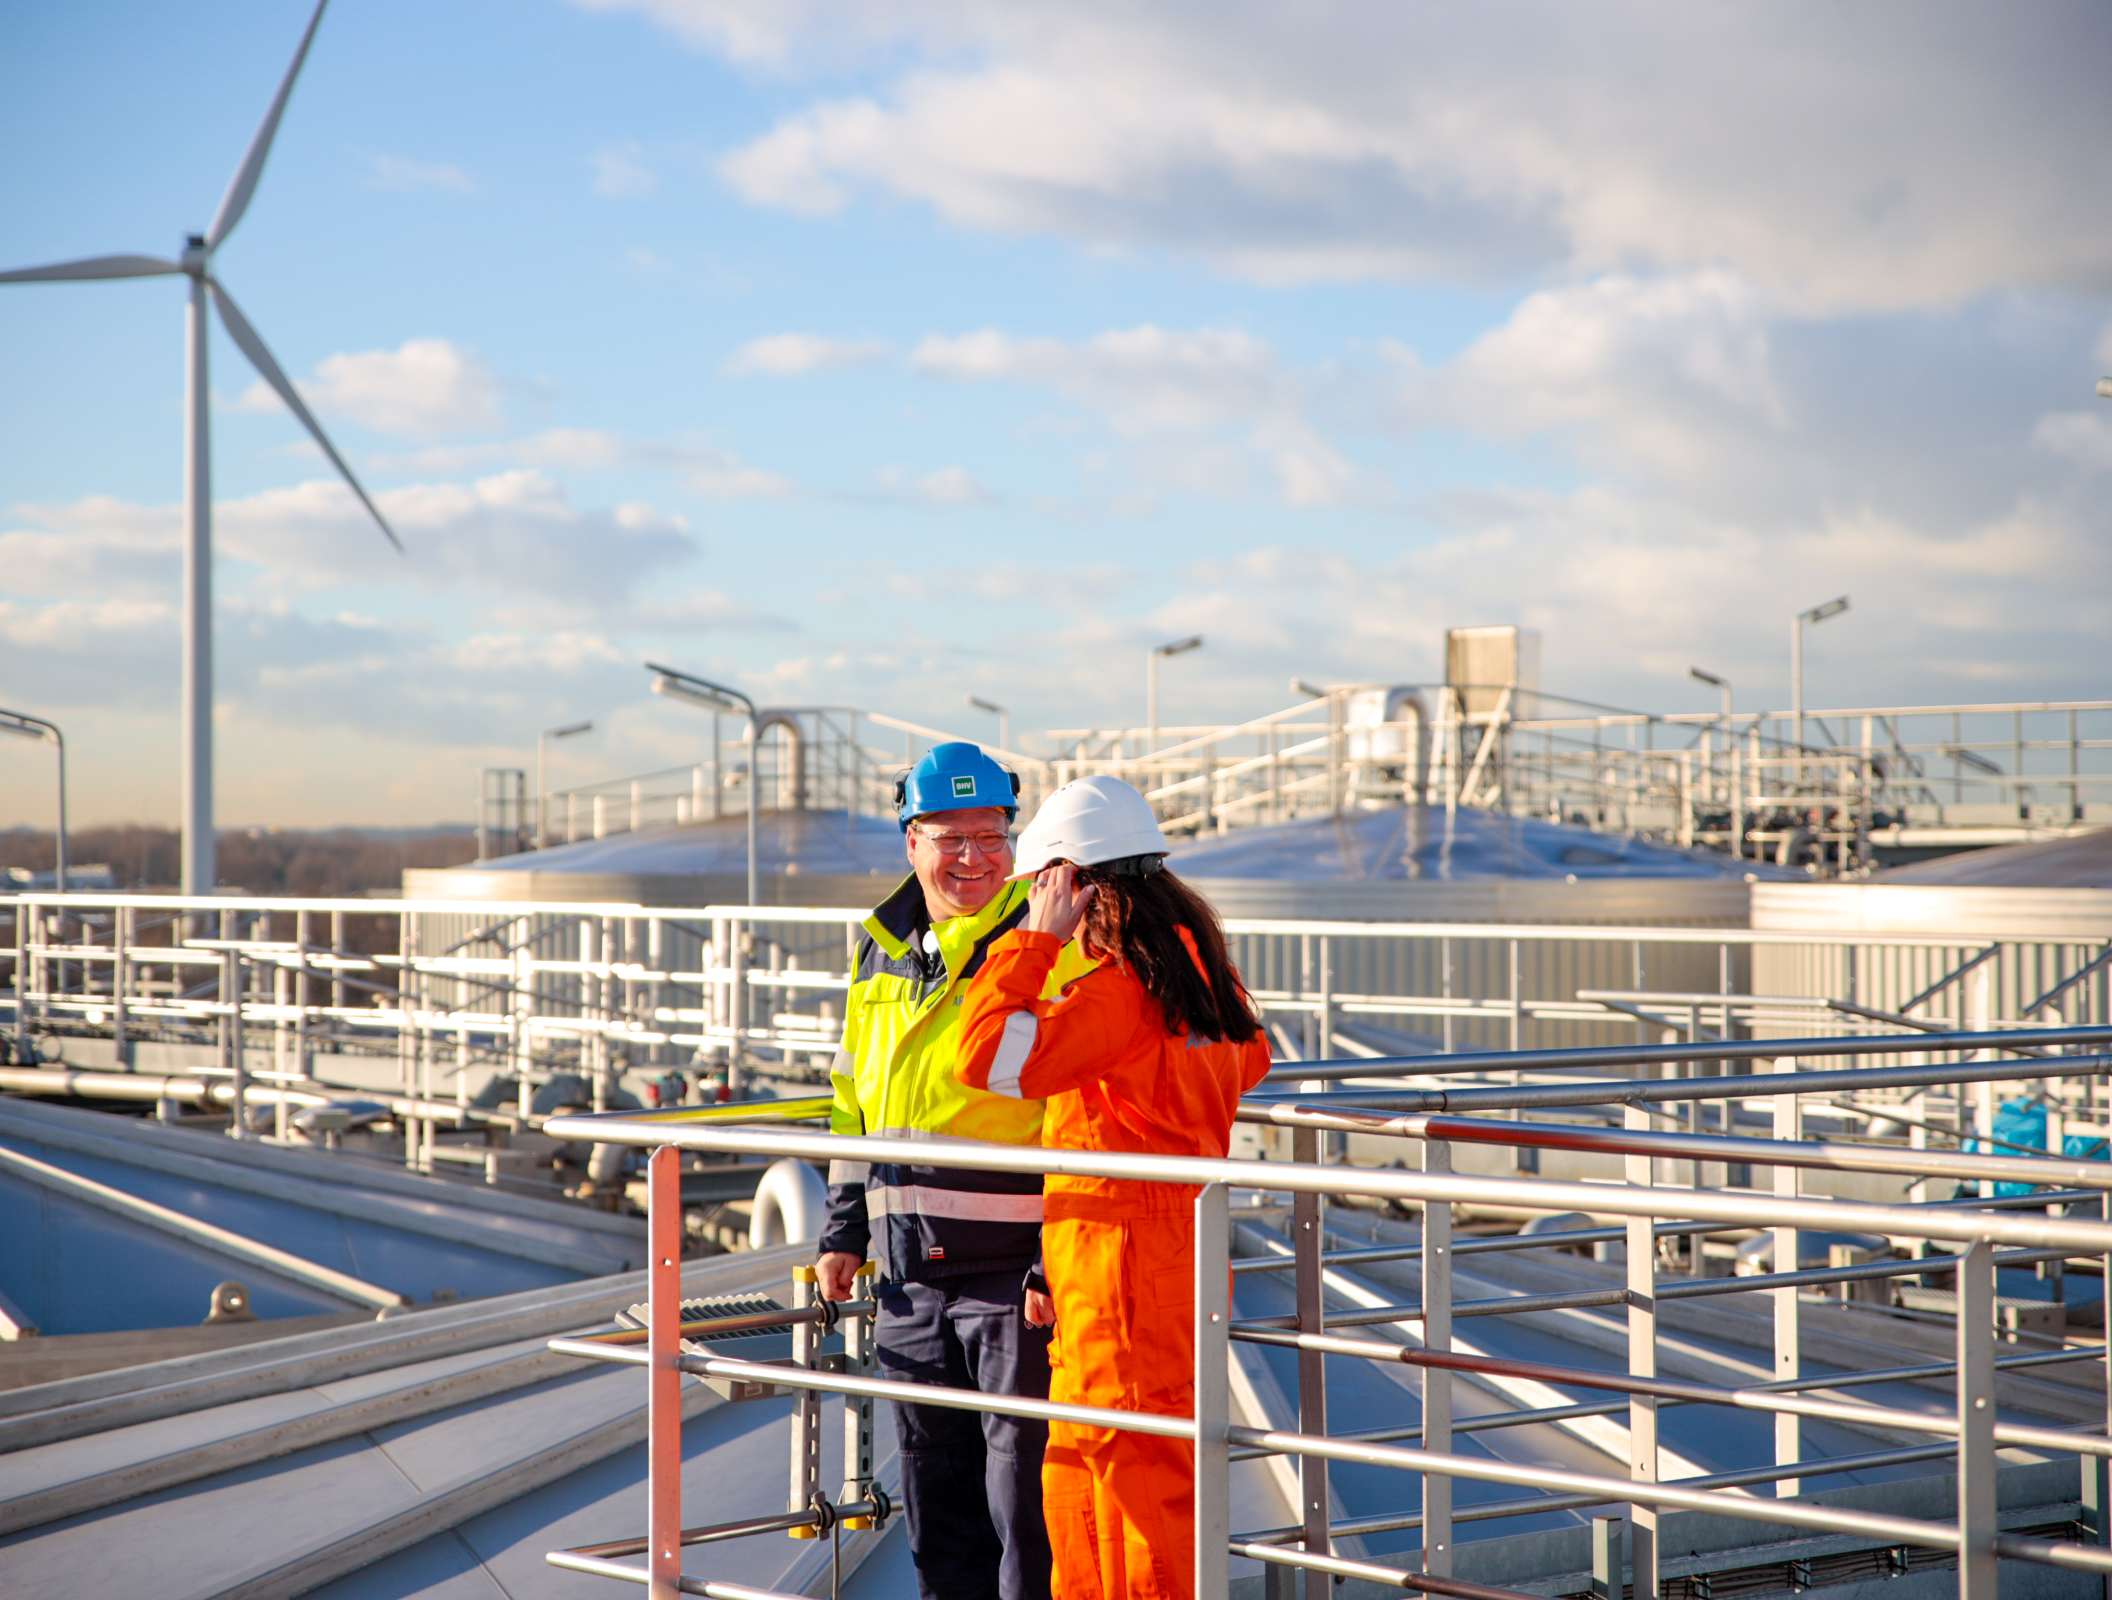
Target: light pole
<point>542,788</point>
<point>37,728</point>
<point>1721,683</point>
<point>1004,721</point>
<point>1151,684</point>
<point>702,691</point>
<point>1831,608</point>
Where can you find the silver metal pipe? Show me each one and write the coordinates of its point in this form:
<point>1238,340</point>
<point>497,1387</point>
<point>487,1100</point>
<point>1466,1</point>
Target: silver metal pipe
<point>1695,1050</point>
<point>1708,1205</point>
<point>1534,1475</point>
<point>1288,1109</point>
<point>1428,1583</point>
<point>923,1394</point>
<point>1754,1399</point>
<point>1495,1510</point>
<point>1825,1154</point>
<point>720,1531</point>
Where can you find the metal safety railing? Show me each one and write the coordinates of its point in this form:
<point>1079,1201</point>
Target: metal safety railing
<point>1832,789</point>
<point>535,987</point>
<point>461,1015</point>
<point>1652,1211</point>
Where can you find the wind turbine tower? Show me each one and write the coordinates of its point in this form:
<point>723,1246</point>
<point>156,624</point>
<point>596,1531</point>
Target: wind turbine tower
<point>196,263</point>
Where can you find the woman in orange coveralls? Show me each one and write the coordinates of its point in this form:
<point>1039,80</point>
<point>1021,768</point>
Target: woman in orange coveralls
<point>1150,1051</point>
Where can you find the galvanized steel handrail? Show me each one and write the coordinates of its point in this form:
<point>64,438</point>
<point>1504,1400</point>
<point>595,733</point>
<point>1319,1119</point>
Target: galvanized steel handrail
<point>1313,1108</point>
<point>2085,1238</point>
<point>1860,1044</point>
<point>1438,1190</point>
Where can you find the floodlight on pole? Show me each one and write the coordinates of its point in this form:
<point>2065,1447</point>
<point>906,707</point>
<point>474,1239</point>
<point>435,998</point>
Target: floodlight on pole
<point>1175,647</point>
<point>678,685</point>
<point>1723,684</point>
<point>542,786</point>
<point>1004,720</point>
<point>29,727</point>
<point>1831,608</point>
<point>195,262</point>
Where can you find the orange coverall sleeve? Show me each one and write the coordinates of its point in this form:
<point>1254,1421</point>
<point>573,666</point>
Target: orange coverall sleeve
<point>1015,1043</point>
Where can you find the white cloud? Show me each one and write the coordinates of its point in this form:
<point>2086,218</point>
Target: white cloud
<point>514,532</point>
<point>702,467</point>
<point>949,486</point>
<point>1193,406</point>
<point>1885,155</point>
<point>2084,437</point>
<point>620,173</point>
<point>794,355</point>
<point>425,388</point>
<point>391,172</point>
<point>714,611</point>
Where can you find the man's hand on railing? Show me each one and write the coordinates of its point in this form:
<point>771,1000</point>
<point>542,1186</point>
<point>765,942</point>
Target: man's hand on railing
<point>837,1270</point>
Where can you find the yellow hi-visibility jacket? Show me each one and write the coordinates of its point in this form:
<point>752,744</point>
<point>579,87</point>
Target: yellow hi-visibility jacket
<point>896,1075</point>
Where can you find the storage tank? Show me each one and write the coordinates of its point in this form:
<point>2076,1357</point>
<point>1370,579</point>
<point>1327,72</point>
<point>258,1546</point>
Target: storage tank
<point>1424,864</point>
<point>804,858</point>
<point>2048,906</point>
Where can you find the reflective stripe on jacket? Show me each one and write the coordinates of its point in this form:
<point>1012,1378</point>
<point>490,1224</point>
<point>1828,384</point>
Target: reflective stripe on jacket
<point>896,1076</point>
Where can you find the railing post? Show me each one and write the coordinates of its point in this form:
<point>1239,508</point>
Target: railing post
<point>1978,1569</point>
<point>25,916</point>
<point>806,1407</point>
<point>237,1045</point>
<point>1437,1383</point>
<point>858,1409</point>
<point>303,1049</point>
<point>1308,1213</point>
<point>1327,997</point>
<point>1642,1363</point>
<point>664,1397</point>
<point>2097,1471</point>
<point>1213,1391</point>
<point>1789,1354</point>
<point>1608,1579</point>
<point>121,926</point>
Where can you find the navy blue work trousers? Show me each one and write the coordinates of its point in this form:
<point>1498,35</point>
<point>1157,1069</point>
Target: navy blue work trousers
<point>971,1482</point>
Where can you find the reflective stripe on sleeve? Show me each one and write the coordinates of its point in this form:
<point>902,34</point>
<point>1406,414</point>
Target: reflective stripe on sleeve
<point>847,1171</point>
<point>1012,1052</point>
<point>969,1205</point>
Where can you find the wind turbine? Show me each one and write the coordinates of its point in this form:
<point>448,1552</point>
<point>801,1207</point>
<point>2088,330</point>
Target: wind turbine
<point>195,263</point>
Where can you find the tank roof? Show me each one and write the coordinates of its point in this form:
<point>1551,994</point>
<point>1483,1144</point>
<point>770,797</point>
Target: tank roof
<point>2084,862</point>
<point>1404,843</point>
<point>836,843</point>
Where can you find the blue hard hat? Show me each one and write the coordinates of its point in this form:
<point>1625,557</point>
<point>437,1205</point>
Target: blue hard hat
<point>955,777</point>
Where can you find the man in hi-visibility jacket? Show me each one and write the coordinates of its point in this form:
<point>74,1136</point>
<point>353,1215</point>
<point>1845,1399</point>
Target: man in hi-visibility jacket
<point>956,1250</point>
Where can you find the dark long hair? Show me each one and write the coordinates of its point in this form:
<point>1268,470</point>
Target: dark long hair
<point>1137,917</point>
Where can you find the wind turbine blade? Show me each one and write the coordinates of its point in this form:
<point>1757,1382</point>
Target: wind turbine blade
<point>93,267</point>
<point>244,183</point>
<point>243,334</point>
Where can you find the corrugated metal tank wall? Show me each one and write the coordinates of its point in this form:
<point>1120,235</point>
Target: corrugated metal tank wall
<point>2045,935</point>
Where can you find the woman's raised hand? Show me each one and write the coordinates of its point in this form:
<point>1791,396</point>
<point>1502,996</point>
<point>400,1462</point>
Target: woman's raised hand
<point>1058,901</point>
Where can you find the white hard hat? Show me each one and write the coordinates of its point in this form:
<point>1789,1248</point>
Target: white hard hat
<point>1086,822</point>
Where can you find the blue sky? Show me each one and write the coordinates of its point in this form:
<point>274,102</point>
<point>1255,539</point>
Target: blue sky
<point>881,354</point>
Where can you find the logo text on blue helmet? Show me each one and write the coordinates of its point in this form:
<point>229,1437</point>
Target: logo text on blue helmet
<point>964,787</point>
